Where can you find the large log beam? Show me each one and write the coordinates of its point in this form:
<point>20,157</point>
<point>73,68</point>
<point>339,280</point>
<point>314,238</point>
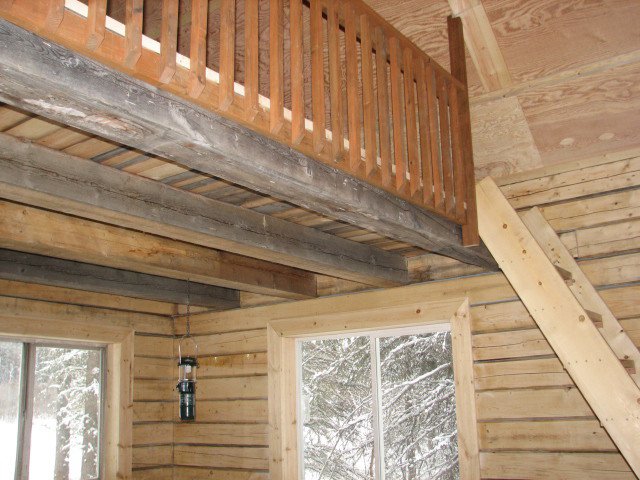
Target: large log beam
<point>28,229</point>
<point>57,181</point>
<point>30,268</point>
<point>50,80</point>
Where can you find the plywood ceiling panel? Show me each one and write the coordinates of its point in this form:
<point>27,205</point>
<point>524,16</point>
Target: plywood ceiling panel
<point>585,116</point>
<point>541,37</point>
<point>502,141</point>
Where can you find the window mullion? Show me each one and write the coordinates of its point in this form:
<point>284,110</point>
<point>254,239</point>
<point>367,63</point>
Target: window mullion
<point>376,390</point>
<point>26,414</point>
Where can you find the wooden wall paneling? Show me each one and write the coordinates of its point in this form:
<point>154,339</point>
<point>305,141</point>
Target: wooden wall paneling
<point>596,179</point>
<point>543,465</point>
<point>578,344</point>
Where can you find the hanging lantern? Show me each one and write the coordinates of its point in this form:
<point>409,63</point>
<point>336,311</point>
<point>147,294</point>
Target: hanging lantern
<point>188,366</point>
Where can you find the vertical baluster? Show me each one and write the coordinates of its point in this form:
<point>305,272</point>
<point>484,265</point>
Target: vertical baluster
<point>133,32</point>
<point>276,66</point>
<point>470,234</point>
<point>251,65</point>
<point>96,23</point>
<point>168,40</point>
<point>297,78</point>
<point>425,134</point>
<point>396,111</point>
<point>371,152</point>
<point>227,52</point>
<point>410,121</point>
<point>445,142</point>
<point>434,143</point>
<point>55,13</point>
<point>383,109</point>
<point>317,77</point>
<point>456,150</point>
<point>198,48</point>
<point>335,80</point>
<point>353,100</point>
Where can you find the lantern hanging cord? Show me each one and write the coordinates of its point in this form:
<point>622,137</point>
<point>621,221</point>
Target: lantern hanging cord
<point>188,309</point>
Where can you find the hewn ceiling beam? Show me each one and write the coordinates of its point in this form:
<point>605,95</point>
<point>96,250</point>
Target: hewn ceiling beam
<point>52,81</point>
<point>28,229</point>
<point>42,270</point>
<point>58,181</point>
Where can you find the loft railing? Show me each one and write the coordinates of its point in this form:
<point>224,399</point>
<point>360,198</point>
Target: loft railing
<point>330,78</point>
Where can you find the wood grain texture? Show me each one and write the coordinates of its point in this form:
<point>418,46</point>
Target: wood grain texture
<point>443,237</point>
<point>73,190</point>
<point>502,139</point>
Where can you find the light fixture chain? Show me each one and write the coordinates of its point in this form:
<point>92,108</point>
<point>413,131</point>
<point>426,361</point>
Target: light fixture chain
<point>188,308</point>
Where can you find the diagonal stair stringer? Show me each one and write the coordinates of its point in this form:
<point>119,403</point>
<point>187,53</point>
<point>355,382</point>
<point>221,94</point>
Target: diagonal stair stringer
<point>584,291</point>
<point>594,367</point>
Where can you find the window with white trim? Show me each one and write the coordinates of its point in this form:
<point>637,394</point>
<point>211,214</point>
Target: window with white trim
<point>51,400</point>
<point>378,406</point>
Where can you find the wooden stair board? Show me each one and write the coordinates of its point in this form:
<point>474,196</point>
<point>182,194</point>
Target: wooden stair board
<point>596,370</point>
<point>582,289</point>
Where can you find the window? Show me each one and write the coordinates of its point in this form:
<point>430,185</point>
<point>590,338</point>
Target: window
<point>51,398</point>
<point>379,406</point>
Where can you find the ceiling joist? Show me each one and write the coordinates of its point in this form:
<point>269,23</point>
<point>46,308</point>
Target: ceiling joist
<point>41,232</point>
<point>58,181</point>
<point>42,270</point>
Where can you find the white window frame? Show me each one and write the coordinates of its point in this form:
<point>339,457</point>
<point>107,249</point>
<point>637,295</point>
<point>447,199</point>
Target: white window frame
<point>376,388</point>
<point>382,311</point>
<point>26,399</point>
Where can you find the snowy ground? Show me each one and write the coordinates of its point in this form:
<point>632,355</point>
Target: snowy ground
<point>43,451</point>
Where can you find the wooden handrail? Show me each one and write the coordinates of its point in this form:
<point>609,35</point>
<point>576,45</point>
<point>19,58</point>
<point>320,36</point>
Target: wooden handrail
<point>376,107</point>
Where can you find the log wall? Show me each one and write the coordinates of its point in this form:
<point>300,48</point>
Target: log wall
<point>532,421</point>
<point>155,399</point>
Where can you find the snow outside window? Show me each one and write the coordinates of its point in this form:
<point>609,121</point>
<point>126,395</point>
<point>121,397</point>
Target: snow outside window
<point>50,411</point>
<point>378,407</point>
